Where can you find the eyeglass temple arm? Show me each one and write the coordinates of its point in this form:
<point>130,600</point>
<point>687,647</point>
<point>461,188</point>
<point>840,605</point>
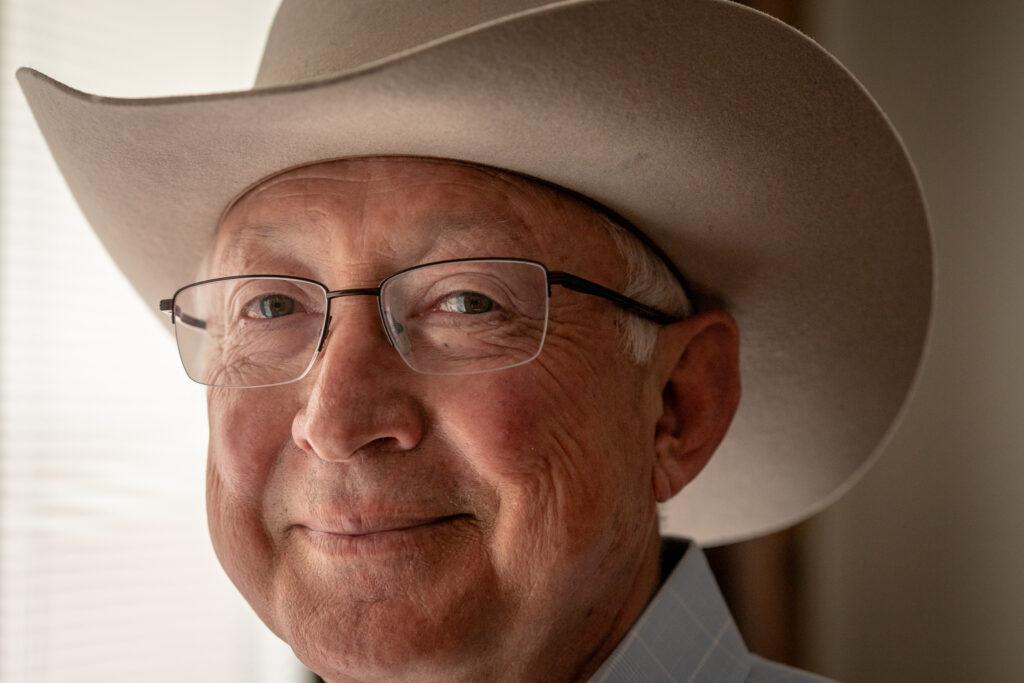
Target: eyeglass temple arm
<point>176,315</point>
<point>578,284</point>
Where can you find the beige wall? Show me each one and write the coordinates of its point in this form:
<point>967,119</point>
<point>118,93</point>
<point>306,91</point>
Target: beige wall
<point>918,574</point>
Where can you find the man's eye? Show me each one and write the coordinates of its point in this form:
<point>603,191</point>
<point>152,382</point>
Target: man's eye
<point>270,306</point>
<point>473,303</point>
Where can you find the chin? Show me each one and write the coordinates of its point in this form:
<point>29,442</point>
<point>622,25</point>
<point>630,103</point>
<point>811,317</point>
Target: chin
<point>394,618</point>
<point>400,637</point>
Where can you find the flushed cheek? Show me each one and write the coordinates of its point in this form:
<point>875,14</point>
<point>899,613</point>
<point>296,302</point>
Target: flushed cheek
<point>524,440</point>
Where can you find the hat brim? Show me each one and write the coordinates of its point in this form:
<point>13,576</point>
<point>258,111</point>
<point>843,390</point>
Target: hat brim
<point>754,159</point>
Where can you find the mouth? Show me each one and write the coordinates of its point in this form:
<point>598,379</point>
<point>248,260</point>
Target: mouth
<point>381,525</point>
<point>377,535</point>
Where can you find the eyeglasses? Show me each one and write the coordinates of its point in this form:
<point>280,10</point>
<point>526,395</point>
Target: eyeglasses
<point>458,316</point>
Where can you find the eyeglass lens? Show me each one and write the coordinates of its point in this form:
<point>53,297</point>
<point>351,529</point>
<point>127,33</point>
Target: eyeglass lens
<point>444,318</point>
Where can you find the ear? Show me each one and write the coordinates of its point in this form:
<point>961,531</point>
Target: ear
<point>696,370</point>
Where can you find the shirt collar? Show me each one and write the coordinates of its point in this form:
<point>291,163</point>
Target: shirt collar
<point>686,632</point>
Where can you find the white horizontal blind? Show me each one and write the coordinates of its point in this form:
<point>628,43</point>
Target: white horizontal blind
<point>106,570</point>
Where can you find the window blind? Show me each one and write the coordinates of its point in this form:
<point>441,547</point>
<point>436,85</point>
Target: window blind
<point>106,570</point>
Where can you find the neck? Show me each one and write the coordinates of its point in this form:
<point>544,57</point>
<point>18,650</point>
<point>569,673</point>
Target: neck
<point>645,583</point>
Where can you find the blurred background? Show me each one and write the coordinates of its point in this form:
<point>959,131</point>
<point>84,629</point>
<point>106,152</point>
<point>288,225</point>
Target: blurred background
<point>106,571</point>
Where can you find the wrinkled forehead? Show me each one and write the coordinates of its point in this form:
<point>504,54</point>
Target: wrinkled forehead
<point>375,215</point>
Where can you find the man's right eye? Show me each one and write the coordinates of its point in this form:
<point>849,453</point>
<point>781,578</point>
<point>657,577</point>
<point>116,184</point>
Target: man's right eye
<point>270,306</point>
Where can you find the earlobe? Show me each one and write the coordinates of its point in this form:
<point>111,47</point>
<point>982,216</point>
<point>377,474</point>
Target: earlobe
<point>669,475</point>
<point>697,372</point>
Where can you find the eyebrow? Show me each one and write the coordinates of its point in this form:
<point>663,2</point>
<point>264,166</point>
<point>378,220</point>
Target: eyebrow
<point>235,248</point>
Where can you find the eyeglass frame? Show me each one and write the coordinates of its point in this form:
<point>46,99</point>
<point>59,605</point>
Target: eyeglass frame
<point>558,277</point>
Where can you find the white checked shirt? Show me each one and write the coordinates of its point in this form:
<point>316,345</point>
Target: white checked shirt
<point>687,634</point>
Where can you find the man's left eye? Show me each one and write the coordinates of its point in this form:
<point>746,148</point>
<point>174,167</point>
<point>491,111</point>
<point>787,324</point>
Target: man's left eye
<point>467,302</point>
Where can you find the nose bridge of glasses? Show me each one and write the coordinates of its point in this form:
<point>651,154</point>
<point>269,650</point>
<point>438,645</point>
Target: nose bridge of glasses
<point>356,291</point>
<point>341,294</point>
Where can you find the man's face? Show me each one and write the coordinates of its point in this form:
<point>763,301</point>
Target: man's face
<point>385,522</point>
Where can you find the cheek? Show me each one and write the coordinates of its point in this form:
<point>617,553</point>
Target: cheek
<point>248,429</point>
<point>555,447</point>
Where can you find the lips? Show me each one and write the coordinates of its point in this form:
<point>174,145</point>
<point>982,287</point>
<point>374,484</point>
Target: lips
<point>355,526</point>
<point>374,537</point>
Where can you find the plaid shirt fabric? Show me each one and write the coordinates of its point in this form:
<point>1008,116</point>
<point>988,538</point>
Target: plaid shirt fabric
<point>687,634</point>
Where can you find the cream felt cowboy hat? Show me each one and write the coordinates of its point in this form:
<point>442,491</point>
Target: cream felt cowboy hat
<point>755,160</point>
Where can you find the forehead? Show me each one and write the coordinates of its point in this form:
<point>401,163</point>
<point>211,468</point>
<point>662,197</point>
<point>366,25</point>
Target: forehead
<point>391,212</point>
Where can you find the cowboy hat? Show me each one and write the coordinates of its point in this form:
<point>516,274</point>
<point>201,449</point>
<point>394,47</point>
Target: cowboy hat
<point>747,153</point>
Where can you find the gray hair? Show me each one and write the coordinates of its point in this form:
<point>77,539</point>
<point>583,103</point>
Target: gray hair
<point>649,281</point>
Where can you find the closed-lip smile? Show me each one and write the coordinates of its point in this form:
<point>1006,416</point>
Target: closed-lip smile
<point>373,535</point>
<point>365,526</point>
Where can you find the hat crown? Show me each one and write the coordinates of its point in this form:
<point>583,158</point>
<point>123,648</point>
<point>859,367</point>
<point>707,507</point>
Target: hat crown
<point>311,39</point>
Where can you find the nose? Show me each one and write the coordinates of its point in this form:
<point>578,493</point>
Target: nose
<point>361,396</point>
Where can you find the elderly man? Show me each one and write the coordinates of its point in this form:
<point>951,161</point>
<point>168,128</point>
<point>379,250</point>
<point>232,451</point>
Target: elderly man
<point>430,270</point>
